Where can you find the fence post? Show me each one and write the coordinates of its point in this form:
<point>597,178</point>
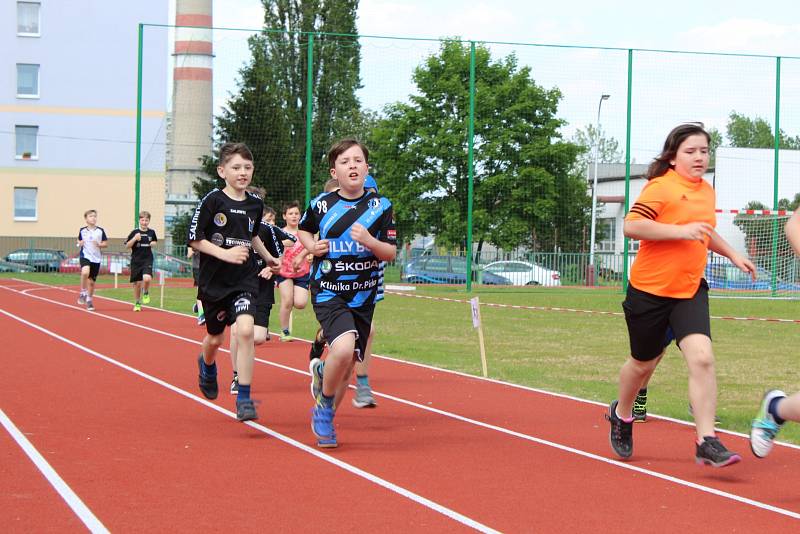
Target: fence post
<point>625,240</point>
<point>138,126</point>
<point>775,226</point>
<point>470,170</point>
<point>309,113</point>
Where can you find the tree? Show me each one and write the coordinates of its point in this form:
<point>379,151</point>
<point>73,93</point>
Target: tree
<point>756,133</point>
<point>269,110</point>
<point>759,231</point>
<point>608,151</point>
<point>714,144</point>
<point>524,191</point>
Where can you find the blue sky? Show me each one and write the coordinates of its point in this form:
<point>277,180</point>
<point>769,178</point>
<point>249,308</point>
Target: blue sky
<point>668,88</point>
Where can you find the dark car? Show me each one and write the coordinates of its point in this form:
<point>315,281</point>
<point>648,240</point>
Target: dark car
<point>11,267</point>
<point>445,270</point>
<point>722,274</point>
<point>41,259</point>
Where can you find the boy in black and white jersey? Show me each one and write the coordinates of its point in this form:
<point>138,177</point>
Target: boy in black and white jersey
<point>272,237</point>
<point>140,241</point>
<point>91,238</point>
<point>224,228</point>
<point>356,233</point>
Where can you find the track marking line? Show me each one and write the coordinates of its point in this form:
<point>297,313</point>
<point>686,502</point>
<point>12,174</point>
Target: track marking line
<point>452,415</point>
<point>414,497</point>
<point>70,497</point>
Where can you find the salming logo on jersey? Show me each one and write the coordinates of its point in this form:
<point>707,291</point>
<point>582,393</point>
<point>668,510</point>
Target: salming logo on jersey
<point>349,269</point>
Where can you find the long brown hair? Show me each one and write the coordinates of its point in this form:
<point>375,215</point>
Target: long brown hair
<point>661,164</point>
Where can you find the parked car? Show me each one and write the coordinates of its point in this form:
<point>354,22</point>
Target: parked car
<point>444,270</point>
<point>522,273</point>
<point>41,259</point>
<point>11,267</point>
<point>722,274</point>
<point>73,264</point>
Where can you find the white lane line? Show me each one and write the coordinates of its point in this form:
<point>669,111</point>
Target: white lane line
<point>70,497</point>
<point>510,432</point>
<point>402,362</point>
<point>436,507</point>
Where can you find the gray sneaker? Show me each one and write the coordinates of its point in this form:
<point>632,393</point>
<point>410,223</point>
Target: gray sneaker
<point>82,299</point>
<point>364,398</point>
<point>89,304</point>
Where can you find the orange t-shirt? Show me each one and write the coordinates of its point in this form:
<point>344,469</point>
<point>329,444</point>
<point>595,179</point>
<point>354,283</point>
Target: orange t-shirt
<point>672,268</point>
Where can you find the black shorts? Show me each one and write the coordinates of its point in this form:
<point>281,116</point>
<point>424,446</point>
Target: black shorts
<point>138,270</point>
<point>222,313</point>
<point>337,318</point>
<point>262,315</point>
<point>266,292</point>
<point>94,268</point>
<point>653,321</point>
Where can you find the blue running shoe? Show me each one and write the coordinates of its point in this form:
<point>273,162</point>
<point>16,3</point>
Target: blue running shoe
<point>764,427</point>
<point>322,426</point>
<point>246,410</point>
<point>208,384</point>
<point>315,368</point>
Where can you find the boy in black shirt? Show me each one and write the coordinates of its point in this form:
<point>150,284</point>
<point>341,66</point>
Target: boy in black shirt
<point>356,233</point>
<point>140,241</point>
<point>224,228</point>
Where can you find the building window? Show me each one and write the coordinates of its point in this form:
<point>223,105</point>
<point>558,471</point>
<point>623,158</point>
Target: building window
<point>25,203</point>
<point>606,237</point>
<point>27,80</point>
<point>28,18</point>
<point>27,146</point>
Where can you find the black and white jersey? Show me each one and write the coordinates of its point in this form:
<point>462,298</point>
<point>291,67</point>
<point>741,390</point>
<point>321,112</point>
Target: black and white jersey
<point>91,238</point>
<point>273,238</point>
<point>141,251</point>
<point>227,223</point>
<point>349,269</point>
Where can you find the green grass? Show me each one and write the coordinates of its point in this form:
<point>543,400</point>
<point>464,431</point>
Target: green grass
<point>574,353</point>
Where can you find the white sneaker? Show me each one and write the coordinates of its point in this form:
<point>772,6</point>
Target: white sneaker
<point>764,428</point>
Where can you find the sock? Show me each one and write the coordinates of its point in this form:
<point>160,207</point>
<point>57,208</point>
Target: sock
<point>624,419</point>
<point>643,392</point>
<point>773,409</point>
<point>244,392</point>
<point>325,401</point>
<point>285,331</point>
<point>209,371</point>
<point>235,374</point>
<point>362,380</point>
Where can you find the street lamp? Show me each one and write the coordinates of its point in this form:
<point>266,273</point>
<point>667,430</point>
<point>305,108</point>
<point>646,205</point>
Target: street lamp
<point>594,190</point>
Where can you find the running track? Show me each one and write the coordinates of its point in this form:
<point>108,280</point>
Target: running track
<point>107,405</point>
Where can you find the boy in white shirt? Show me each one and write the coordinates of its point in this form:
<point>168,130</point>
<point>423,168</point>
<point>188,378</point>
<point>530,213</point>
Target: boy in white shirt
<point>91,238</point>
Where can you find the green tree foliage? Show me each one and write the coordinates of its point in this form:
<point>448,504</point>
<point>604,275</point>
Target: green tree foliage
<point>608,149</point>
<point>756,133</point>
<point>269,110</point>
<point>525,193</point>
<point>759,231</point>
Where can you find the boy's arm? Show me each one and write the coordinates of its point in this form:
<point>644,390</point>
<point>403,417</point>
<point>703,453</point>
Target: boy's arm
<point>383,251</point>
<point>317,247</point>
<point>237,255</point>
<point>720,246</point>
<point>133,237</point>
<point>103,239</point>
<point>259,247</point>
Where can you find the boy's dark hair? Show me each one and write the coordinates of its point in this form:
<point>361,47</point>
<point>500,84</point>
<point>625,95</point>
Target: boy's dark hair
<point>291,204</point>
<point>228,150</point>
<point>269,210</point>
<point>342,146</point>
<point>87,212</point>
<point>661,163</point>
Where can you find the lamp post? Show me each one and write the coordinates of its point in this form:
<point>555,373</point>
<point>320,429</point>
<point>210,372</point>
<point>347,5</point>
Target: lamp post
<point>591,278</point>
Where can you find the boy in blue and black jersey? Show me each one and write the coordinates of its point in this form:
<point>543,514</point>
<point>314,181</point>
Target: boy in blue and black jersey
<point>356,233</point>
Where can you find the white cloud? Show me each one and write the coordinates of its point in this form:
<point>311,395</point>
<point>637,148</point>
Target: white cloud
<point>742,35</point>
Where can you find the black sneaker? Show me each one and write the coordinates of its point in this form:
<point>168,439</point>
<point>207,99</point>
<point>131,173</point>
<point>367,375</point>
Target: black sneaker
<point>317,346</point>
<point>639,411</point>
<point>235,385</point>
<point>208,385</point>
<point>621,435</point>
<point>712,452</point>
<point>246,410</point>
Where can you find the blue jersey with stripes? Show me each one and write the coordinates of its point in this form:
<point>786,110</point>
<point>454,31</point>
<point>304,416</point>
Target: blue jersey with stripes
<point>349,269</point>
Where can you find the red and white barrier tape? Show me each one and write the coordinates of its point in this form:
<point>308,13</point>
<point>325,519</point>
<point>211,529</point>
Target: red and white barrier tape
<point>756,212</point>
<point>573,310</point>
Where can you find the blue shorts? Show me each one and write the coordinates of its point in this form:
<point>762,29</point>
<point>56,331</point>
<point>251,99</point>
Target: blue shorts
<point>298,282</point>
